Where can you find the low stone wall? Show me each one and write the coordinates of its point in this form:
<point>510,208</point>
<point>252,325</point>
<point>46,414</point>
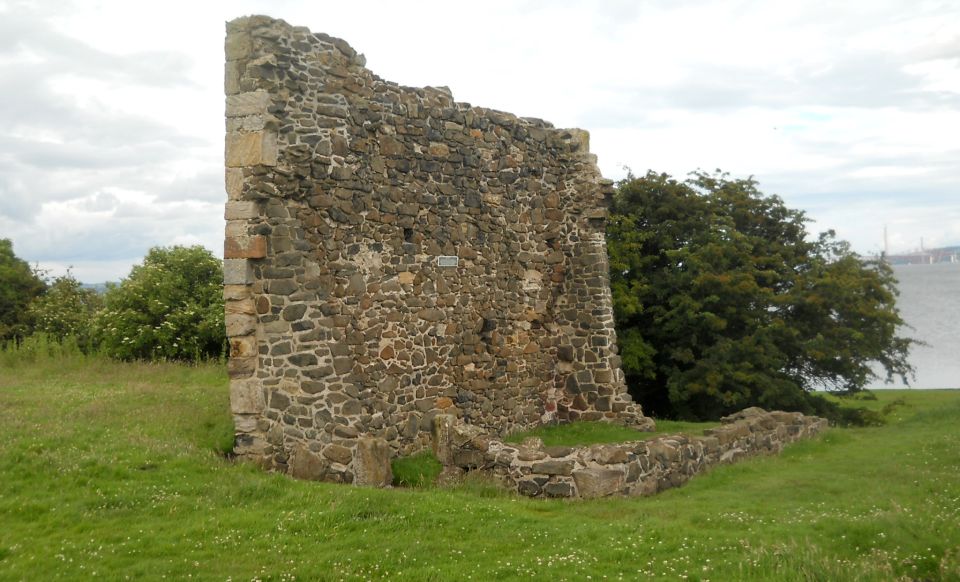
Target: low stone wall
<point>631,468</point>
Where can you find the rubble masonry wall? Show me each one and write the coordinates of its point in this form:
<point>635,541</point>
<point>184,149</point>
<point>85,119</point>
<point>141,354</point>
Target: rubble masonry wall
<point>391,255</point>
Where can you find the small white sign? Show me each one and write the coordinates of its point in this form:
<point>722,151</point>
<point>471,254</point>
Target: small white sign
<point>447,261</point>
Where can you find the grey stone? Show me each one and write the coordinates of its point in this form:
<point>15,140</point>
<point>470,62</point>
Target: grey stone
<point>592,483</point>
<point>372,463</point>
<point>559,490</point>
<point>553,467</point>
<point>237,272</point>
<point>338,454</point>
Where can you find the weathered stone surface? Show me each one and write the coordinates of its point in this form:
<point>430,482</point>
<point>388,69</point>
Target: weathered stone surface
<point>632,468</point>
<point>243,347</point>
<point>238,324</point>
<point>558,451</point>
<point>553,467</point>
<point>246,397</point>
<point>237,272</point>
<point>371,464</point>
<point>251,149</point>
<point>592,483</point>
<point>562,489</point>
<point>338,454</point>
<point>305,464</point>
<point>245,247</point>
<point>250,103</point>
<point>443,447</point>
<point>400,255</point>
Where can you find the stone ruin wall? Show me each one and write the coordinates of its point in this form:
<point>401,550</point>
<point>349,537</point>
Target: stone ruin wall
<point>631,468</point>
<point>347,337</point>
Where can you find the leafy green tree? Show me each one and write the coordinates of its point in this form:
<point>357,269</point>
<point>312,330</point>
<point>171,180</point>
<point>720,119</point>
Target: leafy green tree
<point>170,307</point>
<point>723,302</point>
<point>66,310</point>
<point>19,285</point>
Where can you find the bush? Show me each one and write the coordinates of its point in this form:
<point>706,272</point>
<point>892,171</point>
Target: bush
<point>169,308</point>
<point>67,310</point>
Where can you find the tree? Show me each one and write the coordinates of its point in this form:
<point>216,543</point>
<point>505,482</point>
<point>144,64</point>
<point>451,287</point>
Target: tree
<point>66,310</point>
<point>19,285</point>
<point>170,307</point>
<point>723,302</point>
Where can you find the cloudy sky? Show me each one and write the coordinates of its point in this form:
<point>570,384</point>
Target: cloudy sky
<point>111,113</point>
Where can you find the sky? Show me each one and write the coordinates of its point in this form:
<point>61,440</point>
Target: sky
<point>111,112</point>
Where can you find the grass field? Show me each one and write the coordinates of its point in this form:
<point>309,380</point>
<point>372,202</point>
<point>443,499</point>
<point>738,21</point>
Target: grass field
<point>112,470</point>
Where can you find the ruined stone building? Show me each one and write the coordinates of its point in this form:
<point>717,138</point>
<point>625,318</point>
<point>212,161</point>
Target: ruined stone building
<point>392,254</point>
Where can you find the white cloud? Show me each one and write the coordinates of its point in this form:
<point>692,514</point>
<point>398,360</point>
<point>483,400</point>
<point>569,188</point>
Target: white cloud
<point>111,130</point>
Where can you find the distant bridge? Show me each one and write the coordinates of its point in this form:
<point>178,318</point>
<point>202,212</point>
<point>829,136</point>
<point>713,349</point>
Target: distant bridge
<point>924,257</point>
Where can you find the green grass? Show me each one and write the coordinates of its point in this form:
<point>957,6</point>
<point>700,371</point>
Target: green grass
<point>420,470</point>
<point>588,433</point>
<point>111,470</point>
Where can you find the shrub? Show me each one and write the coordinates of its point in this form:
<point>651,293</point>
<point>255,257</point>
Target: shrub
<point>169,308</point>
<point>66,310</point>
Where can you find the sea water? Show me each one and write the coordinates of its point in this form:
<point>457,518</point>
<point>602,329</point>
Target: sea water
<point>929,303</point>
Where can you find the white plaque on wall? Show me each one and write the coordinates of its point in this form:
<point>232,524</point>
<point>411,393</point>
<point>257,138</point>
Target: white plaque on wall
<point>447,261</point>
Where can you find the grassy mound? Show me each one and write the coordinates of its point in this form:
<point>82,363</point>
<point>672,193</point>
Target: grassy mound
<point>114,470</point>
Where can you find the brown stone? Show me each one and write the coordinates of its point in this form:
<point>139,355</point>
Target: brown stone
<point>246,397</point>
<point>251,247</point>
<point>338,454</point>
<point>250,149</point>
<point>243,347</point>
<point>593,483</point>
<point>372,463</point>
<point>305,464</point>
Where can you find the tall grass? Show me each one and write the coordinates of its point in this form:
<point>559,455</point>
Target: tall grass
<point>112,470</point>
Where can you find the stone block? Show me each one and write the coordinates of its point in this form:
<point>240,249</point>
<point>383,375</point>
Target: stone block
<point>338,454</point>
<point>371,463</point>
<point>245,247</point>
<point>305,464</point>
<point>553,467</point>
<point>246,397</point>
<point>238,46</point>
<point>241,210</point>
<point>241,367</point>
<point>243,347</point>
<point>231,77</point>
<point>243,306</point>
<point>250,103</point>
<point>233,183</point>
<point>593,483</point>
<point>238,324</point>
<point>558,451</point>
<point>561,489</point>
<point>251,149</point>
<point>237,272</point>
<point>608,454</point>
<point>443,447</point>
